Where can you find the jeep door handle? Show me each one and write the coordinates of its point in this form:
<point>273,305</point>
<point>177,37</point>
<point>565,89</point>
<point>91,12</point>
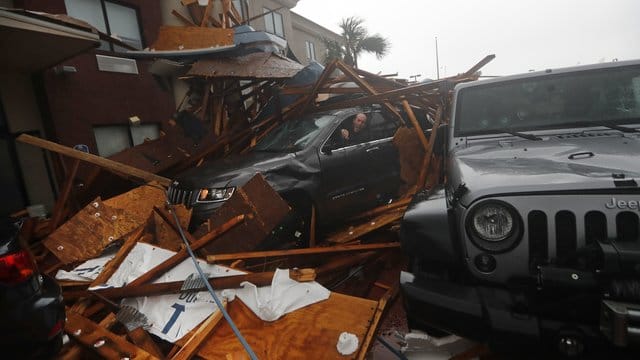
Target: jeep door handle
<point>372,149</point>
<point>581,155</point>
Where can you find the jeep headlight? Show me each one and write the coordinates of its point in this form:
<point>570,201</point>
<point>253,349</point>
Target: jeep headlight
<point>494,226</point>
<point>208,195</point>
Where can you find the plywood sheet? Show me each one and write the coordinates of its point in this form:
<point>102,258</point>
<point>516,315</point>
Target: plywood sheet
<point>309,333</point>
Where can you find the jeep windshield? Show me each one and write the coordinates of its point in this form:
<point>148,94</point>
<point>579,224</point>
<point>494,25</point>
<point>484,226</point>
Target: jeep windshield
<point>295,134</point>
<point>604,97</point>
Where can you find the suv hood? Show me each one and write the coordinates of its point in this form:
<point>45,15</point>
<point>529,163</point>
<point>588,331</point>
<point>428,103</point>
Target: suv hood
<point>281,170</point>
<point>557,163</point>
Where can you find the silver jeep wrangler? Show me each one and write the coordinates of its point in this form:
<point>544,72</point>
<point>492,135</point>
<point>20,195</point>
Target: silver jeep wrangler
<point>535,234</point>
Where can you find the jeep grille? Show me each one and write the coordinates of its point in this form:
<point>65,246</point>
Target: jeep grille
<point>566,227</point>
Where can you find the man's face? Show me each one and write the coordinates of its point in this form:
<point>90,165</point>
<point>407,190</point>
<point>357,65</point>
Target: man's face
<point>359,122</point>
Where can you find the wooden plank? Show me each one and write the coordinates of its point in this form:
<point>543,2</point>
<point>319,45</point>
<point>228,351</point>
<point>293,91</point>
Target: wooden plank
<point>141,338</point>
<point>194,343</point>
<point>61,202</point>
<point>355,232</point>
<point>416,124</point>
<point>382,209</point>
<point>182,18</point>
<point>207,10</point>
<point>382,305</point>
<point>173,287</point>
<point>347,70</point>
<point>181,255</point>
<point>297,252</point>
<point>192,37</point>
<point>100,340</point>
<point>113,166</point>
<point>113,264</point>
<point>76,351</point>
<point>424,169</point>
<point>311,332</point>
<point>139,202</point>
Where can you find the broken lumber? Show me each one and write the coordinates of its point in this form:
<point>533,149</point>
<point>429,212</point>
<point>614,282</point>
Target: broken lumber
<point>183,254</point>
<point>297,252</point>
<point>102,341</point>
<point>117,168</point>
<point>194,343</point>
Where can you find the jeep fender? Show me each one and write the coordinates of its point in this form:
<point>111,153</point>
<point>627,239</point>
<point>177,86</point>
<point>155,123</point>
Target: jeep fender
<point>426,230</point>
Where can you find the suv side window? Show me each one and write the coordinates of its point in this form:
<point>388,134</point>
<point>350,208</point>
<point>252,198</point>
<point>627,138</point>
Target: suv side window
<point>380,127</point>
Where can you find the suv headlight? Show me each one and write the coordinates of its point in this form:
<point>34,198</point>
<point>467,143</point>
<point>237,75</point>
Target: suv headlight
<point>494,226</point>
<point>209,195</point>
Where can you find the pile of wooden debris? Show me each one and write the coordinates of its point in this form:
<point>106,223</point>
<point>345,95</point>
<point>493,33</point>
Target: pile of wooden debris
<point>124,264</point>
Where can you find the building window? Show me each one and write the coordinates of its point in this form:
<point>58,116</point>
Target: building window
<point>112,139</point>
<point>311,50</point>
<point>273,22</point>
<point>113,18</point>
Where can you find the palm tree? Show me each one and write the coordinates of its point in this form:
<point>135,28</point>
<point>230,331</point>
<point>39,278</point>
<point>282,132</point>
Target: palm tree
<point>356,40</point>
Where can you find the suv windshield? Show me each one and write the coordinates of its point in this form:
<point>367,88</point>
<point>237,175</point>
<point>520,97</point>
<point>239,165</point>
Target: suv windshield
<point>294,135</point>
<point>585,98</point>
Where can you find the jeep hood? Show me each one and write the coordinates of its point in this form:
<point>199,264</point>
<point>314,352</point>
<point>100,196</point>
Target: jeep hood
<point>556,163</point>
<point>281,170</point>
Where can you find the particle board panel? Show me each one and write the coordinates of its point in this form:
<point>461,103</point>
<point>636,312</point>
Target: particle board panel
<point>264,208</point>
<point>308,333</point>
<point>88,232</point>
<point>189,37</point>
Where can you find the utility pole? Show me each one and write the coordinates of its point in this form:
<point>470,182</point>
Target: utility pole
<point>437,60</point>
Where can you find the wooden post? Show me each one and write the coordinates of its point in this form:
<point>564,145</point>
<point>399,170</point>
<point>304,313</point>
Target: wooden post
<point>416,124</point>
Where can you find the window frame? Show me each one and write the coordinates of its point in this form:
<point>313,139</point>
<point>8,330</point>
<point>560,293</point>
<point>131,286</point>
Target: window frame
<point>130,138</point>
<point>111,48</point>
<point>271,18</point>
<point>311,50</point>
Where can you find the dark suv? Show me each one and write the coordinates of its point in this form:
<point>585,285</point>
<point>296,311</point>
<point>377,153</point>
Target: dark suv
<point>31,308</point>
<point>307,163</point>
<point>535,233</point>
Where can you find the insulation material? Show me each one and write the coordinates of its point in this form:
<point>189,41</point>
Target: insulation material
<point>171,316</point>
<point>259,65</point>
<point>284,295</point>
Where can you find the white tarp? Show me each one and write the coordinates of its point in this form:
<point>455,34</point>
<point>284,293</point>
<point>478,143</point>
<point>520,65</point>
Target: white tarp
<point>284,295</point>
<point>170,316</point>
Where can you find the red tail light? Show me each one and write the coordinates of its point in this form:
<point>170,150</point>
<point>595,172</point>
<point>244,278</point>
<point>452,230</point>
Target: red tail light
<point>16,267</point>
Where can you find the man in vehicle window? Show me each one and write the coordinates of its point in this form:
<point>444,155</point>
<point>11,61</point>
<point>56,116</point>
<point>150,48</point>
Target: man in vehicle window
<point>353,134</point>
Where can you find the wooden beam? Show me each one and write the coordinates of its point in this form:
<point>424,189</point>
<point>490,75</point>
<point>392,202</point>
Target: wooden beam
<point>182,18</point>
<point>113,166</point>
<point>479,65</point>
<point>113,265</point>
<point>416,124</point>
<point>58,208</point>
<point>207,10</point>
<point>382,305</point>
<point>298,252</point>
<point>183,254</point>
<point>367,87</point>
<point>429,153</point>
<point>190,348</point>
<point>382,209</point>
<point>97,338</point>
<point>173,287</point>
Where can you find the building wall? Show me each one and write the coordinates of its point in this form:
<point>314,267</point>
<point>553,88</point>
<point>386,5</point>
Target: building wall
<point>80,100</point>
<point>306,30</point>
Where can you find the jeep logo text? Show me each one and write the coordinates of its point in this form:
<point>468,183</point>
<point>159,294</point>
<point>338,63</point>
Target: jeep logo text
<point>622,204</point>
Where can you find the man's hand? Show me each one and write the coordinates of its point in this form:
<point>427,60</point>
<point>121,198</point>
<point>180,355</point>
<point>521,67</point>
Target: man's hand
<point>344,133</point>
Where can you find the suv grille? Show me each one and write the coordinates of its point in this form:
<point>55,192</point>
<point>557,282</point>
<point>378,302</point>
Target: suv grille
<point>566,229</point>
<point>180,196</point>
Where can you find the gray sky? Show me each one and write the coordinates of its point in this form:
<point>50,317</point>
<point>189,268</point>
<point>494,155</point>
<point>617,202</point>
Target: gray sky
<point>523,34</point>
